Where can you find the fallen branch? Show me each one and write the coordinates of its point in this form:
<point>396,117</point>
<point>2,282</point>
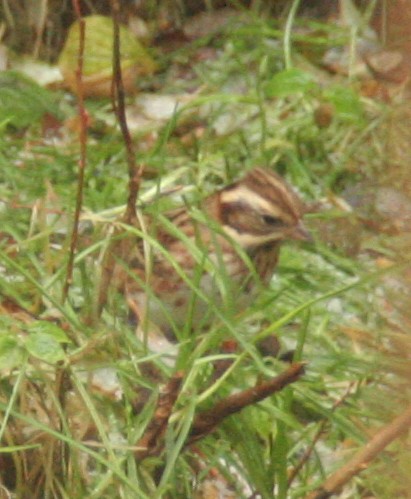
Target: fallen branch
<point>152,442</point>
<point>364,456</point>
<point>207,421</point>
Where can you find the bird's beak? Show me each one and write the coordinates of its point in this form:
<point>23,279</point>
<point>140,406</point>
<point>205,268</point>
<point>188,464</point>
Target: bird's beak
<point>300,233</point>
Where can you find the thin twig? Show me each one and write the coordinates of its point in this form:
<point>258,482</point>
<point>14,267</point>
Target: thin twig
<point>83,150</point>
<point>364,456</point>
<point>120,248</point>
<point>118,94</point>
<point>62,374</point>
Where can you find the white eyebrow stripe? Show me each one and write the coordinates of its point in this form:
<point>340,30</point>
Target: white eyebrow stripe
<point>247,240</point>
<point>242,194</point>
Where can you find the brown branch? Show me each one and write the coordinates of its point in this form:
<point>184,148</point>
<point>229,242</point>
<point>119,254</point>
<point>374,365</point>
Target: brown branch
<point>151,443</point>
<point>364,456</point>
<point>207,421</point>
<point>134,172</point>
<point>306,456</point>
<point>83,151</point>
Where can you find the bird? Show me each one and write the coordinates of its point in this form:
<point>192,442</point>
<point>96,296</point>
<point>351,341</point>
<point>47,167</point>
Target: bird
<point>187,263</point>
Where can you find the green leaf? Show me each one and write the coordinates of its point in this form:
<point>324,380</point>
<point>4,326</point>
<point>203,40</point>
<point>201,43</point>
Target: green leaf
<point>289,82</point>
<point>347,104</point>
<point>44,347</point>
<point>98,50</point>
<point>11,354</point>
<point>50,329</point>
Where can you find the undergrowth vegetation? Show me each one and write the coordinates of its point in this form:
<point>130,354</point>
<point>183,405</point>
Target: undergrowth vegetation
<point>77,392</point>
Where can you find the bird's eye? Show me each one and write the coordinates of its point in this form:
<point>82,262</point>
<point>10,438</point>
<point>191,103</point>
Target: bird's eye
<point>273,221</point>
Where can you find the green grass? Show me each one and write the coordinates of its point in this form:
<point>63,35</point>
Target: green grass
<point>80,440</point>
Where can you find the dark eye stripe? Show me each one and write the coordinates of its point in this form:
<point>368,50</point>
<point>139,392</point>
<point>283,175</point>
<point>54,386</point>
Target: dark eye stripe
<point>273,221</point>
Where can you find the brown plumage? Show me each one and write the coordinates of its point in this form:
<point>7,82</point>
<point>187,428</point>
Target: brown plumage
<point>221,254</point>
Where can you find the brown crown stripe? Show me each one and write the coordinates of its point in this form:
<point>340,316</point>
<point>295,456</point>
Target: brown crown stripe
<point>274,189</point>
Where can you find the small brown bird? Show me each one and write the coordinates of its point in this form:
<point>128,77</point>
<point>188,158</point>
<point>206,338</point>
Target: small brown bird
<point>195,260</point>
